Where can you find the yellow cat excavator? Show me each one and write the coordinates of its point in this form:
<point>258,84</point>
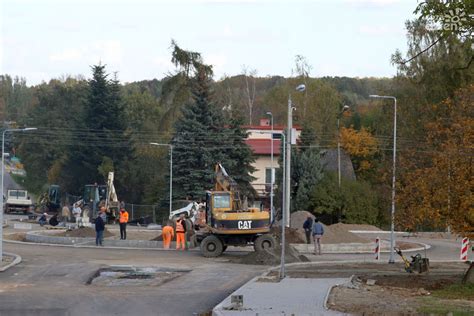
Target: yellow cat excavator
<point>227,222</point>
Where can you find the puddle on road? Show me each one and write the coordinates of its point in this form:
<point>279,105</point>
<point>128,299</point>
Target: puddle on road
<point>134,276</point>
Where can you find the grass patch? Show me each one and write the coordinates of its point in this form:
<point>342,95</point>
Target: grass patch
<point>436,306</point>
<point>456,291</point>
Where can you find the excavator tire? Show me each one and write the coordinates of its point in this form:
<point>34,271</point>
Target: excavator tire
<point>264,242</point>
<point>211,246</point>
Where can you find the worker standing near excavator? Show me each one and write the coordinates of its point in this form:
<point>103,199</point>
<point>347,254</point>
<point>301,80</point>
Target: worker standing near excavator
<point>167,233</point>
<point>180,232</point>
<point>123,220</point>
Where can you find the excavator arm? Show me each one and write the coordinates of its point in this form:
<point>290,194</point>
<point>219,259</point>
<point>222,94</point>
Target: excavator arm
<point>225,183</point>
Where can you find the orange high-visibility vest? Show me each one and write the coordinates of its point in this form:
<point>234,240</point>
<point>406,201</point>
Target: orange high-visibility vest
<point>179,226</point>
<point>123,217</point>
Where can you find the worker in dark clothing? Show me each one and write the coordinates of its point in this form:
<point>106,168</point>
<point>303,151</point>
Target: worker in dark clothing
<point>43,219</point>
<point>99,230</point>
<point>53,221</point>
<point>307,226</point>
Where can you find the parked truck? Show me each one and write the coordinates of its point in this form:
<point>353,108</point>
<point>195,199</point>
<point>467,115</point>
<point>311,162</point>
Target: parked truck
<point>18,201</point>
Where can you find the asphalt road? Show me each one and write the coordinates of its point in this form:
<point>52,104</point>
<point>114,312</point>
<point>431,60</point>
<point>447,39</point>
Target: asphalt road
<point>52,281</point>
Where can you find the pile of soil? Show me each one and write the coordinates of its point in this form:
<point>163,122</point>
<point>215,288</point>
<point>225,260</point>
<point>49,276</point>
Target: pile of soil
<point>272,257</point>
<point>333,234</point>
<point>339,233</point>
<point>292,235</point>
<point>83,232</point>
<point>359,227</point>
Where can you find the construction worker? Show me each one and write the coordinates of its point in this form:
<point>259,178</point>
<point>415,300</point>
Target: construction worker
<point>99,229</point>
<point>77,212</point>
<point>180,233</point>
<point>167,233</point>
<point>318,232</point>
<point>123,220</point>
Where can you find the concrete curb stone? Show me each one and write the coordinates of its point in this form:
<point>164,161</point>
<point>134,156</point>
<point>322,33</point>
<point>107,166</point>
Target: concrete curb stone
<point>15,261</point>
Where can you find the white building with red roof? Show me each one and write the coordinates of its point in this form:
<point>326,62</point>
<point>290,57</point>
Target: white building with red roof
<point>260,141</point>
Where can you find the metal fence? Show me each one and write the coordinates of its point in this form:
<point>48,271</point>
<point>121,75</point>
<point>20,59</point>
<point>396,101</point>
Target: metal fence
<point>143,213</point>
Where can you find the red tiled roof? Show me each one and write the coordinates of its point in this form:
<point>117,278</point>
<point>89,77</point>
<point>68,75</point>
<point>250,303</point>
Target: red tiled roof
<point>275,127</point>
<point>264,146</point>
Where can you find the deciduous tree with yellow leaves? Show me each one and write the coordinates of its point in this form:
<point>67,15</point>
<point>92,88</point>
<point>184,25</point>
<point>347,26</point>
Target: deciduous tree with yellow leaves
<point>361,146</point>
<point>437,190</point>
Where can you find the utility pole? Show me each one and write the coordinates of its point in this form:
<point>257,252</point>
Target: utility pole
<point>394,172</point>
<point>271,170</point>
<point>289,140</point>
<point>344,108</point>
<point>286,212</point>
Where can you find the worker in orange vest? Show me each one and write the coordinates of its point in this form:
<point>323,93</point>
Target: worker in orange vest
<point>180,232</point>
<point>123,220</point>
<point>167,233</point>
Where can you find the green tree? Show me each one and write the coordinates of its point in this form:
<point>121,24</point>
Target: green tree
<point>47,153</point>
<point>198,143</point>
<point>105,124</point>
<point>355,202</point>
<point>240,156</point>
<point>202,140</point>
<point>310,172</point>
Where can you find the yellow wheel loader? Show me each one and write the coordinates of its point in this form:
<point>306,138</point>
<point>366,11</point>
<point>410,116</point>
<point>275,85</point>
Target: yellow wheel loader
<point>226,222</point>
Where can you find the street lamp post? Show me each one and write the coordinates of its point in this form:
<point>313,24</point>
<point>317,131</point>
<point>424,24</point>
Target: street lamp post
<point>289,138</point>
<point>271,170</point>
<point>344,108</point>
<point>3,174</point>
<point>392,231</point>
<point>171,172</point>
<point>283,204</point>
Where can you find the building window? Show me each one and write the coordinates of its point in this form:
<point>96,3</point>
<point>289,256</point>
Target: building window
<point>269,176</point>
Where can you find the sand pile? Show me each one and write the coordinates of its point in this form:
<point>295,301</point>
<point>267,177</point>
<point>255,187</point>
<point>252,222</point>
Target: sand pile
<point>359,227</point>
<point>338,233</point>
<point>297,218</point>
<point>83,232</point>
<point>292,235</point>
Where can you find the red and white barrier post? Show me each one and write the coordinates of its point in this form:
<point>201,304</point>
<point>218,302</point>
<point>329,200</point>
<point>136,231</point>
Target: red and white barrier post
<point>464,247</point>
<point>377,248</point>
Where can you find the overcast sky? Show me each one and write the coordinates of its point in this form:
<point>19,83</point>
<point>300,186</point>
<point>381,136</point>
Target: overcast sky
<point>44,39</point>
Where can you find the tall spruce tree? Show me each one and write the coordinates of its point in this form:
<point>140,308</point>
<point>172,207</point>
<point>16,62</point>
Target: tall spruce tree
<point>202,140</point>
<point>107,145</point>
<point>198,143</point>
<point>240,156</point>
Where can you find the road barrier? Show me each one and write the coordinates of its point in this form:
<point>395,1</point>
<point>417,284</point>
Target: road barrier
<point>377,248</point>
<point>464,247</point>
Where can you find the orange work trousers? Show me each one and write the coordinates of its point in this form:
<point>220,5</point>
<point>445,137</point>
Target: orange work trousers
<point>166,241</point>
<point>180,240</point>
